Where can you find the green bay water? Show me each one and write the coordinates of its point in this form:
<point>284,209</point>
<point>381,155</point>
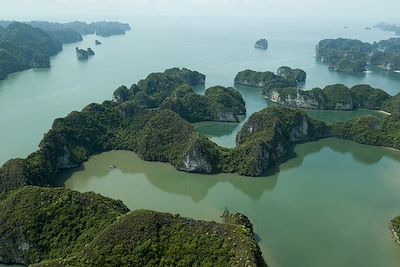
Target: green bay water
<point>218,47</point>
<point>328,206</point>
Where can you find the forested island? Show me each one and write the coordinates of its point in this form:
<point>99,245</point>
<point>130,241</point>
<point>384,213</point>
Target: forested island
<point>100,28</point>
<point>30,45</point>
<point>353,56</point>
<point>285,90</point>
<point>395,28</point>
<point>58,227</point>
<point>171,90</point>
<point>23,46</point>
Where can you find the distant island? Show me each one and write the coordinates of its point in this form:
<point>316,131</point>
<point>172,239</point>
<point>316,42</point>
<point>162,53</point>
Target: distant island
<point>261,44</point>
<point>84,54</point>
<point>353,56</point>
<point>100,28</point>
<point>30,45</point>
<point>395,28</point>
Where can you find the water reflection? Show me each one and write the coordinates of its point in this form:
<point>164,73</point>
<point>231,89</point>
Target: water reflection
<point>161,175</point>
<point>196,186</point>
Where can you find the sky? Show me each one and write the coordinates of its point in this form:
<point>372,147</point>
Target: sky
<point>63,10</point>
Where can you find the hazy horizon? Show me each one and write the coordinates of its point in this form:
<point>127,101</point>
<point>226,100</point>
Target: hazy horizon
<point>88,10</point>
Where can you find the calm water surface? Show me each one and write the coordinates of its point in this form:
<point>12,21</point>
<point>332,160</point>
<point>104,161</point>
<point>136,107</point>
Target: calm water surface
<point>329,205</point>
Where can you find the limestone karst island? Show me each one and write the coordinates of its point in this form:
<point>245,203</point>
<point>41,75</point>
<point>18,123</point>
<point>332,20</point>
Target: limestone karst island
<point>199,133</point>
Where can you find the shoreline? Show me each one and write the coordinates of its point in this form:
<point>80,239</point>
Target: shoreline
<point>395,236</point>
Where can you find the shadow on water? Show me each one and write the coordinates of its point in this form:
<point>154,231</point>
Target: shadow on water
<point>196,186</point>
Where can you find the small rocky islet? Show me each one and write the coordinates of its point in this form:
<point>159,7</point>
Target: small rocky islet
<point>84,54</point>
<point>261,44</point>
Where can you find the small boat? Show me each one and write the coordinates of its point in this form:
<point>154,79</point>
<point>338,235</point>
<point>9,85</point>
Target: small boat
<point>112,166</point>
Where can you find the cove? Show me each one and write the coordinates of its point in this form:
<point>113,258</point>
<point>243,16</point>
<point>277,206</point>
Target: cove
<point>329,205</point>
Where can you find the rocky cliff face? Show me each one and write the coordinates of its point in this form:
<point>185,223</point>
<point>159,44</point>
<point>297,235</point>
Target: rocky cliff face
<point>333,97</point>
<point>195,161</point>
<point>296,98</point>
<point>40,61</point>
<point>81,53</point>
<point>90,52</point>
<point>268,135</point>
<point>65,160</point>
<point>201,156</point>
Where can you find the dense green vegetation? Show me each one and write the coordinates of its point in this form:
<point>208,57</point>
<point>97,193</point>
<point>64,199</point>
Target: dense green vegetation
<point>217,104</point>
<point>66,36</point>
<point>370,130</point>
<point>365,96</point>
<point>156,135</point>
<point>392,105</point>
<point>284,90</point>
<point>267,137</point>
<point>23,46</point>
<point>338,96</point>
<point>353,56</point>
<point>152,91</point>
<point>264,79</point>
<point>171,90</point>
<point>296,74</point>
<point>147,238</point>
<point>30,45</point>
<point>42,223</point>
<point>60,227</point>
<point>102,28</point>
